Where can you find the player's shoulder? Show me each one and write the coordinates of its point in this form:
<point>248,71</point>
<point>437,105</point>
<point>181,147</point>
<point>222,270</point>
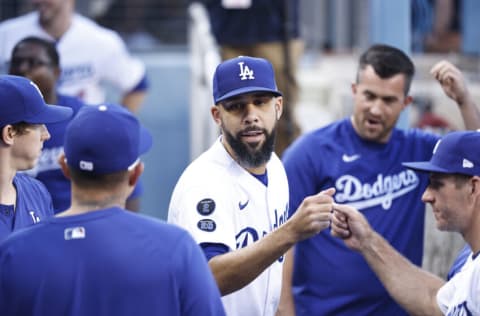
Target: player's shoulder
<point>19,23</point>
<point>213,163</point>
<point>324,134</point>
<point>20,241</point>
<point>416,133</point>
<point>24,182</point>
<point>414,136</point>
<point>72,102</point>
<point>202,174</point>
<point>275,164</point>
<point>315,140</point>
<point>212,171</point>
<point>94,31</point>
<point>157,228</point>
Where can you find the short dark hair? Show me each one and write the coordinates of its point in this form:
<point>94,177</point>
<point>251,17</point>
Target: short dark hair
<point>21,128</point>
<point>49,47</point>
<point>461,179</point>
<point>387,61</point>
<point>85,179</point>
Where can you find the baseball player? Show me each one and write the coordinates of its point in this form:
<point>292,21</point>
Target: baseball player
<point>113,262</point>
<point>361,157</point>
<point>233,198</point>
<point>90,54</point>
<point>23,200</point>
<point>269,29</point>
<point>38,60</point>
<point>454,193</point>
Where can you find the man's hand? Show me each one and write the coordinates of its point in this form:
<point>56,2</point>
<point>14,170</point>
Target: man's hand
<point>451,80</point>
<point>313,215</point>
<point>350,225</point>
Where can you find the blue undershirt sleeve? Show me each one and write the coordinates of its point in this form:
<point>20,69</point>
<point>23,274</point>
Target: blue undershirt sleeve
<point>213,249</point>
<point>142,85</point>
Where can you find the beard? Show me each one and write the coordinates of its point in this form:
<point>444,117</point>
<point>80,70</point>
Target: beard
<point>249,156</point>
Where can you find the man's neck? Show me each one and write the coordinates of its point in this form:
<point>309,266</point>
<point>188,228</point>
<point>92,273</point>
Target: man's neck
<point>58,25</point>
<point>89,201</point>
<point>8,193</point>
<point>473,234</point>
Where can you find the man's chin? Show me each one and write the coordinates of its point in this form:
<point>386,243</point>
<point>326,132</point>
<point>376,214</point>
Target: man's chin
<point>373,136</point>
<point>253,146</point>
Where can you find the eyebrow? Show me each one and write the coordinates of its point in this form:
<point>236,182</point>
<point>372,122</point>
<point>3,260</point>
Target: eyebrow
<point>384,97</point>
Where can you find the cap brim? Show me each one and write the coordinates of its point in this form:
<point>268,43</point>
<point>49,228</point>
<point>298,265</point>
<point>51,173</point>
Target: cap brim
<point>146,140</point>
<point>247,90</point>
<point>425,166</point>
<point>50,114</point>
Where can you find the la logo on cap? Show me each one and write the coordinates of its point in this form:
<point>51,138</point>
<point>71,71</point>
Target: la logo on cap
<point>245,72</point>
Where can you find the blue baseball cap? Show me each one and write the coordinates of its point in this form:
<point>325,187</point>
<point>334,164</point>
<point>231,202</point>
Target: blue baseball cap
<point>241,75</point>
<point>104,139</point>
<point>22,101</point>
<point>456,152</point>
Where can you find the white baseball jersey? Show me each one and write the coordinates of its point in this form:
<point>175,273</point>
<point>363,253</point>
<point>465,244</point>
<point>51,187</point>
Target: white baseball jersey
<point>218,201</point>
<point>461,295</point>
<point>89,54</point>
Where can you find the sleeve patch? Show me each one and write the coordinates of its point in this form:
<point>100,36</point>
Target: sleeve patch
<point>207,225</point>
<point>206,207</point>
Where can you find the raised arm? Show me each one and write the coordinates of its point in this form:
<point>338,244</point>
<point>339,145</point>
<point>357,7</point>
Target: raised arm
<point>453,84</point>
<point>413,288</point>
<point>236,269</point>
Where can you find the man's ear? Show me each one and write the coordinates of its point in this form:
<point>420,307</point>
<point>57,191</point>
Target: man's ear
<point>135,174</point>
<point>476,185</point>
<point>215,111</point>
<point>62,161</point>
<point>7,134</point>
<point>278,107</point>
<point>408,100</point>
<point>353,87</point>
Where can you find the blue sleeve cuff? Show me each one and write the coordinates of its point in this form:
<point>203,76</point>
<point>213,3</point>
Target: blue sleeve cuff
<point>212,249</point>
<point>142,85</point>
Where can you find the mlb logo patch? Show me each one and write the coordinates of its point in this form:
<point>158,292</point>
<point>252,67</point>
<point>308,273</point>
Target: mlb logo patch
<point>74,233</point>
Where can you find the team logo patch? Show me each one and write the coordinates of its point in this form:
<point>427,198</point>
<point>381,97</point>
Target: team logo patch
<point>206,207</point>
<point>74,233</point>
<point>207,225</point>
<point>245,72</point>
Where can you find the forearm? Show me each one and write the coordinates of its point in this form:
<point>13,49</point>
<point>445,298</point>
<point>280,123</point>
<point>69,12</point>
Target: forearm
<point>470,114</point>
<point>413,288</point>
<point>236,269</point>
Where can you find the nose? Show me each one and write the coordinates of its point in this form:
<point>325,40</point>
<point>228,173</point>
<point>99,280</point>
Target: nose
<point>45,134</point>
<point>427,196</point>
<point>376,108</point>
<point>250,113</point>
